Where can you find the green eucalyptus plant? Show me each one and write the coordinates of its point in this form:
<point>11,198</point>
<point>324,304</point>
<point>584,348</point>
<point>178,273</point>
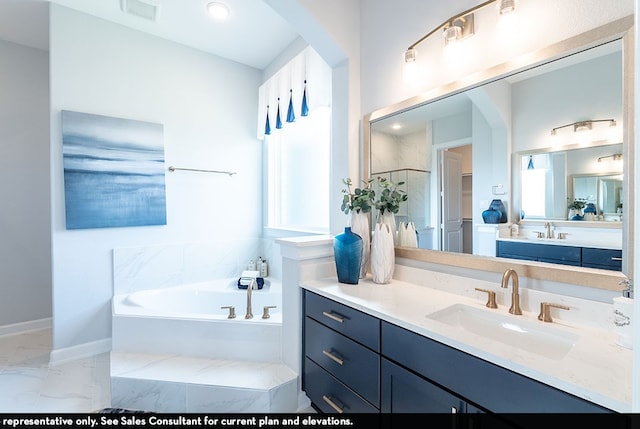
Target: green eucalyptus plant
<point>577,204</point>
<point>390,196</point>
<point>357,199</point>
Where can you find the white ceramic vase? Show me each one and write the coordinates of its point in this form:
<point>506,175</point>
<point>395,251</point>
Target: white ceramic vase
<point>360,225</point>
<point>407,236</point>
<point>382,254</point>
<point>389,218</point>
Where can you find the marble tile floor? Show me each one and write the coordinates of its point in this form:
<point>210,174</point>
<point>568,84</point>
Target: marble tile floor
<point>29,384</point>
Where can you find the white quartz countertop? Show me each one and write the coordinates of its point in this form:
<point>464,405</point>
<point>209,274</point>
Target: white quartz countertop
<point>595,369</point>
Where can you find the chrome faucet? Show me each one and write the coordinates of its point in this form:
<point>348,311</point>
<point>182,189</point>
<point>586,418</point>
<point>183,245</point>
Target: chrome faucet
<point>549,232</point>
<point>252,281</point>
<point>515,294</point>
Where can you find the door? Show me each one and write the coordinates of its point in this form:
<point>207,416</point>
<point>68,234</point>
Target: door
<point>451,200</point>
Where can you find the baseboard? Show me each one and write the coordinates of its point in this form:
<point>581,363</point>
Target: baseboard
<point>80,351</point>
<point>23,327</point>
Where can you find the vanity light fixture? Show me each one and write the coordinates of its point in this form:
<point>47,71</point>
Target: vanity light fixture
<point>458,27</point>
<point>615,156</point>
<point>581,126</point>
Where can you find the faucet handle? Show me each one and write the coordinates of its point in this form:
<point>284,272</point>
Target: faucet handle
<point>545,310</point>
<point>491,297</point>
<point>265,311</point>
<point>232,311</point>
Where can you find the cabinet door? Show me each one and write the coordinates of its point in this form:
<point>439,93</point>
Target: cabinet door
<point>405,392</point>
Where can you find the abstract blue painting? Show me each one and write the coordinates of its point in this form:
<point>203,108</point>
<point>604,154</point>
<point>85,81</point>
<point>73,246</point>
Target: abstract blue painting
<point>114,172</point>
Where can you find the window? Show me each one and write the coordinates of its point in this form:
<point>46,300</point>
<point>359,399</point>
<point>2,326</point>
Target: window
<point>298,153</point>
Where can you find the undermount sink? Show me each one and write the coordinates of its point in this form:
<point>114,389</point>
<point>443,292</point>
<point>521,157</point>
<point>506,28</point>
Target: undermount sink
<point>508,329</point>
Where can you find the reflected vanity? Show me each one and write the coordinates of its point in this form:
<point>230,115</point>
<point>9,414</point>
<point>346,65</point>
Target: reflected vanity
<point>493,128</point>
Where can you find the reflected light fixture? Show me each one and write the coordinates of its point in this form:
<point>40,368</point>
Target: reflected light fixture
<point>582,126</point>
<point>218,10</point>
<point>458,27</point>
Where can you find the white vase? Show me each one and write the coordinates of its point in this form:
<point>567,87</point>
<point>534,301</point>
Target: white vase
<point>382,254</point>
<point>360,225</point>
<point>389,218</point>
<point>407,236</point>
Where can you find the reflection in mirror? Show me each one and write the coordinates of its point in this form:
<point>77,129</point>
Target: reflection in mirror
<point>458,146</point>
<point>545,190</point>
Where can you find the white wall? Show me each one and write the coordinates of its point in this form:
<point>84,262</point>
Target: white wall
<point>25,247</point>
<point>207,106</point>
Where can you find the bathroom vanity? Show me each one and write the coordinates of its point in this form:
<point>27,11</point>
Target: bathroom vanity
<point>559,252</point>
<point>402,348</point>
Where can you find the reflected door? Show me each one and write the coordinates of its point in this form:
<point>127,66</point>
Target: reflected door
<point>451,201</point>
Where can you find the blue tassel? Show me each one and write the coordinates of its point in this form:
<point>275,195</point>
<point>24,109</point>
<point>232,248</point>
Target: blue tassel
<point>530,166</point>
<point>267,126</point>
<point>291,117</point>
<point>305,106</point>
<point>278,120</point>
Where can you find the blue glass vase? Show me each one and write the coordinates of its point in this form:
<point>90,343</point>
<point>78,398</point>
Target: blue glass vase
<point>499,206</point>
<point>491,216</point>
<point>347,250</point>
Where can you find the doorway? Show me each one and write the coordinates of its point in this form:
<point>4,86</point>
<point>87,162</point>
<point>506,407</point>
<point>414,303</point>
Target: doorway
<point>456,196</point>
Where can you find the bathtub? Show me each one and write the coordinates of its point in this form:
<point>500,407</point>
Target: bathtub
<point>188,320</point>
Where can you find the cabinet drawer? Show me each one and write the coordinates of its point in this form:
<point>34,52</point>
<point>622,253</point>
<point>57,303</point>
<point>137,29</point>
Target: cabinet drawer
<point>322,389</point>
<point>490,386</point>
<point>355,365</point>
<point>356,325</point>
<point>602,258</point>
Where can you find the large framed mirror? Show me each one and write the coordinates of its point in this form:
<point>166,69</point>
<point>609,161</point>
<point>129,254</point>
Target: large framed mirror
<point>501,122</point>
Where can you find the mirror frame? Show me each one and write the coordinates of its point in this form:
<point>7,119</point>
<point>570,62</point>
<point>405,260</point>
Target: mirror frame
<point>621,29</point>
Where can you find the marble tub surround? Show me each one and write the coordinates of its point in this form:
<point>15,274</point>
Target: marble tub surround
<point>179,384</point>
<point>595,368</point>
<point>165,265</point>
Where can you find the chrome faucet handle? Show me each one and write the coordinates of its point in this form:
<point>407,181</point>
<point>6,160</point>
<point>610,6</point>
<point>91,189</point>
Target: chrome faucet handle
<point>539,234</point>
<point>545,311</point>
<point>265,311</point>
<point>232,311</point>
<point>491,297</point>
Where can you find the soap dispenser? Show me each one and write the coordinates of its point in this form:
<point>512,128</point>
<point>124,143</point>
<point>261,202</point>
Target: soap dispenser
<point>623,315</point>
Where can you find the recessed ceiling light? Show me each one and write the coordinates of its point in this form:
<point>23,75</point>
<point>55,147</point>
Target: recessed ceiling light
<point>218,10</point>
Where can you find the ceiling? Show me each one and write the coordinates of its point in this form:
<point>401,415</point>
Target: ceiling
<point>253,35</point>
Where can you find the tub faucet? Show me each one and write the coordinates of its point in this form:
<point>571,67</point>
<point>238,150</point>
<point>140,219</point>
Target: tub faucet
<point>249,314</point>
<point>515,294</point>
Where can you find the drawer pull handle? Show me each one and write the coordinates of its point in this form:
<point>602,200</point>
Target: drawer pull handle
<point>333,405</point>
<point>614,258</point>
<point>333,357</point>
<point>332,316</point>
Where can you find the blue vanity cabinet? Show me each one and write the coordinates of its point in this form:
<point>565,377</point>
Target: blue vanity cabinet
<point>565,255</point>
<point>607,259</point>
<point>478,385</point>
<point>356,363</point>
<point>589,257</point>
<point>341,368</point>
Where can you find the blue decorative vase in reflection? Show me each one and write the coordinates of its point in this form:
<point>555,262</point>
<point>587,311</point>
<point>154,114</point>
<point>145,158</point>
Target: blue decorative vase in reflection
<point>347,250</point>
<point>491,216</point>
<point>497,205</point>
<point>590,208</point>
